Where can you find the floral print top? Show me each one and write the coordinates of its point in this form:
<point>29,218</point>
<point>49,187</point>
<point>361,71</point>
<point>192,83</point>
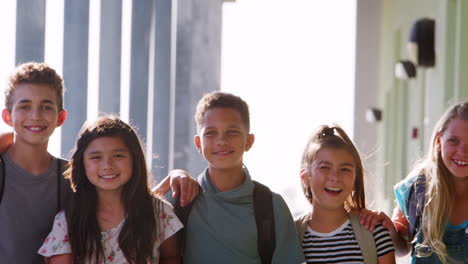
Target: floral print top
<point>57,242</point>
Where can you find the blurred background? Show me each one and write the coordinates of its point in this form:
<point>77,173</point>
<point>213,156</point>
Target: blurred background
<point>385,70</point>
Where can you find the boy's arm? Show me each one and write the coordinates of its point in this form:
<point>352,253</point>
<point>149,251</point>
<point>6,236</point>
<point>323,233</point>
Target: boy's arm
<point>402,244</point>
<point>181,184</point>
<point>6,139</point>
<point>398,227</point>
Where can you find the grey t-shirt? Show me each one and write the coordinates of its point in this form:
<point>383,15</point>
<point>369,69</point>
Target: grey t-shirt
<point>27,210</point>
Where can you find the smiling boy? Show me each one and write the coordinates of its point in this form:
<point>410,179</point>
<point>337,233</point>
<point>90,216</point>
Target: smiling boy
<point>222,225</point>
<point>32,189</point>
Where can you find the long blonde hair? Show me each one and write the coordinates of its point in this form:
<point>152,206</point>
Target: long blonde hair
<point>439,185</point>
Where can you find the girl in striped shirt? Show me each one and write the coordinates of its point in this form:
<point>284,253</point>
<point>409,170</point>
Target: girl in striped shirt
<point>333,182</point>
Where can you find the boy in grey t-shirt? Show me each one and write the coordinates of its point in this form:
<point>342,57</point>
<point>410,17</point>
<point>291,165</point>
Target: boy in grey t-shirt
<point>32,188</point>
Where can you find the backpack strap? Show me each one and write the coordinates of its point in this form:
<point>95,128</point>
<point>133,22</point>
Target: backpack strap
<point>416,201</point>
<point>301,225</point>
<point>62,166</point>
<point>183,214</point>
<point>365,239</point>
<point>264,217</point>
<point>2,178</point>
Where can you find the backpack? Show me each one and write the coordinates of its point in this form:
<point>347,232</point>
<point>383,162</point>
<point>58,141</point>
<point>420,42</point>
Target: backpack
<point>364,237</point>
<point>264,218</point>
<point>416,201</point>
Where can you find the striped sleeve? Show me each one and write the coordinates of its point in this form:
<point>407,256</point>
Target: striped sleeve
<point>383,240</point>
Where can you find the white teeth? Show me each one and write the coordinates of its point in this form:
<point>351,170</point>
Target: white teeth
<point>35,128</point>
<point>460,162</point>
<point>108,176</point>
<point>333,189</point>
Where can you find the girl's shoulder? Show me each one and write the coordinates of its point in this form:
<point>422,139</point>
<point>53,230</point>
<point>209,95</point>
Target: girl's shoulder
<point>302,221</point>
<point>405,187</point>
<point>159,202</point>
<point>163,209</point>
<point>406,184</point>
<point>463,225</point>
<point>60,217</point>
<point>167,220</point>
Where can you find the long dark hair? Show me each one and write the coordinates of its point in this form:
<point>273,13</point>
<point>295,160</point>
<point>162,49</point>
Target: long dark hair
<point>140,230</point>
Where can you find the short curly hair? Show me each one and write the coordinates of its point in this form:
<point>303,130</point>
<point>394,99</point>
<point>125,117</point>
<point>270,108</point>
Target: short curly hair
<point>222,100</point>
<point>34,73</point>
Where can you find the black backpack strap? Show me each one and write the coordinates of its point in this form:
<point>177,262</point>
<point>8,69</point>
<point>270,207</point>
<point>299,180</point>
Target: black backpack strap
<point>265,219</point>
<point>183,214</point>
<point>59,184</point>
<point>417,197</point>
<point>2,178</point>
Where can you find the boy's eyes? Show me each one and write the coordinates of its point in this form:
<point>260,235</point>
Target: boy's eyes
<point>24,107</point>
<point>47,107</point>
<point>44,107</point>
<point>209,133</point>
<point>229,132</point>
<point>453,140</point>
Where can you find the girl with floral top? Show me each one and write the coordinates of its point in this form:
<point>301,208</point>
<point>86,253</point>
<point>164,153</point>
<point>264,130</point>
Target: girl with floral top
<point>111,216</point>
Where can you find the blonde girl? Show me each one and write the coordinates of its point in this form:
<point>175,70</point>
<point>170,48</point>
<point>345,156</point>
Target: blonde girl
<point>431,219</point>
<point>333,182</point>
<point>111,217</point>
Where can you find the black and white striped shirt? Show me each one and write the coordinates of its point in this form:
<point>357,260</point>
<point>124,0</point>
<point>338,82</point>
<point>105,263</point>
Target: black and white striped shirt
<point>341,246</point>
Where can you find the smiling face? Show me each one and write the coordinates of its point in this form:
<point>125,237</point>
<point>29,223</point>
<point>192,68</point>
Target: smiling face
<point>453,144</point>
<point>108,164</point>
<point>330,178</point>
<point>223,138</point>
<point>34,114</point>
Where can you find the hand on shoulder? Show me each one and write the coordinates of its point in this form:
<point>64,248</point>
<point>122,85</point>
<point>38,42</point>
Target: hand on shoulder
<point>369,220</point>
<point>181,184</point>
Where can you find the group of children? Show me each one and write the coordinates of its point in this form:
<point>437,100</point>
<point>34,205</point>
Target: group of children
<point>103,211</point>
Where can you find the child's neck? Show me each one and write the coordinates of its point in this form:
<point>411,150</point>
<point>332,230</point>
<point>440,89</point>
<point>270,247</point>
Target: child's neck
<point>110,210</point>
<point>34,159</point>
<point>226,179</point>
<point>326,220</point>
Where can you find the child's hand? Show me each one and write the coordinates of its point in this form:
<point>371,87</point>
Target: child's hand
<point>370,218</point>
<point>184,185</point>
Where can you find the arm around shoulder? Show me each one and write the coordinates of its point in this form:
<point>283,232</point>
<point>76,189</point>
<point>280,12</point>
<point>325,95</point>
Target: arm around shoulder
<point>181,183</point>
<point>398,227</point>
<point>400,238</point>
